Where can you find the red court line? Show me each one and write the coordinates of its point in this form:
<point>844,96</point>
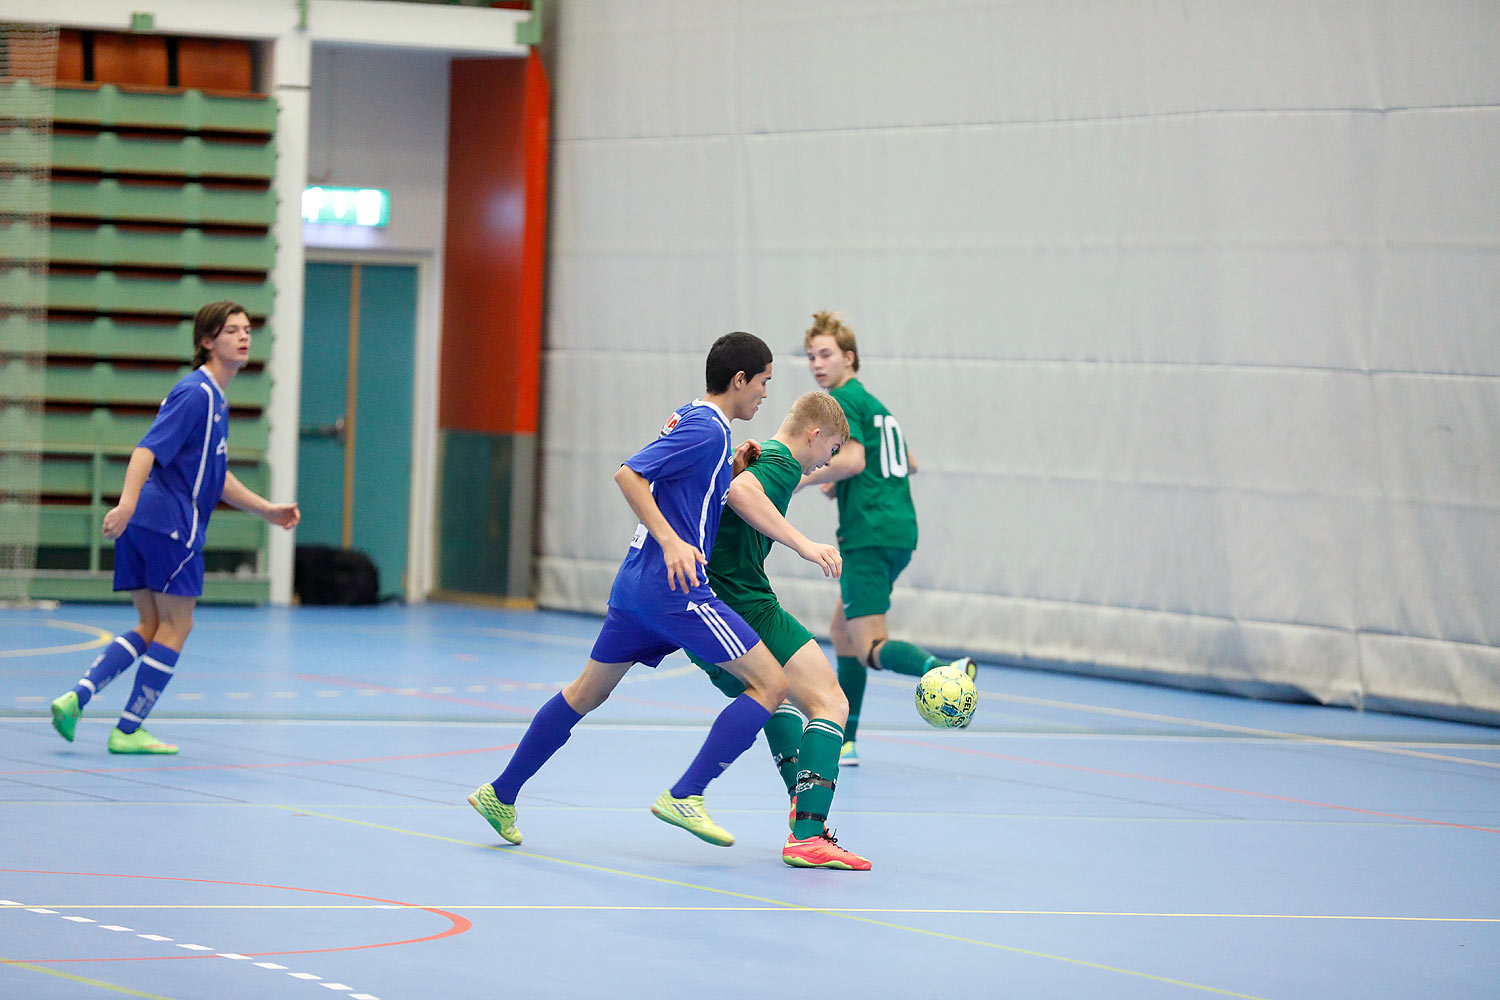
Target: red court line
<point>616,696</point>
<point>651,702</point>
<point>251,767</point>
<point>405,693</point>
<point>457,924</point>
<point>1186,784</point>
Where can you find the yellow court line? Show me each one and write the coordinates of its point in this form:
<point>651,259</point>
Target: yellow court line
<point>1242,730</point>
<point>789,907</point>
<point>101,638</point>
<point>82,979</point>
<point>774,908</point>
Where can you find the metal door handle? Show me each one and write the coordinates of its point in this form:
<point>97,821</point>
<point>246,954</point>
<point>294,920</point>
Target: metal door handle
<point>336,430</point>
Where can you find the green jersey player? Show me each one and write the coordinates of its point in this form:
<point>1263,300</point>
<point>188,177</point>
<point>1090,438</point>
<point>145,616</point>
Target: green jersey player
<point>806,754</point>
<point>877,522</point>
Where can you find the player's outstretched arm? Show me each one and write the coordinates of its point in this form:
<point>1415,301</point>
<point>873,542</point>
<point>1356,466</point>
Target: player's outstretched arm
<point>748,499</point>
<point>136,474</point>
<point>241,497</point>
<point>848,463</point>
<point>682,558</point>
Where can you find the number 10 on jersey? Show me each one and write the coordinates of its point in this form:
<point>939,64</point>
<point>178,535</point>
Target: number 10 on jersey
<point>892,446</point>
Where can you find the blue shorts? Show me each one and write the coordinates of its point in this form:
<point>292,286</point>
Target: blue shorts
<point>149,560</point>
<point>709,630</point>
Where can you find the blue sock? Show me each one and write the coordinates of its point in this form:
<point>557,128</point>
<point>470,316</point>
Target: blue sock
<point>549,730</point>
<point>731,735</point>
<point>115,659</point>
<point>151,677</point>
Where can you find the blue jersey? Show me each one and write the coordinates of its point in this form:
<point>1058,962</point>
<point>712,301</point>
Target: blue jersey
<point>190,439</point>
<point>689,467</point>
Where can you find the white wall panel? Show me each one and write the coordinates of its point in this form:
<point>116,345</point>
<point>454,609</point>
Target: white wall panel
<point>379,118</point>
<point>1419,284</point>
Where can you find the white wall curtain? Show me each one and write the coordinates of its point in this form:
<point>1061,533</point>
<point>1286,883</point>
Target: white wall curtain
<point>1190,311</point>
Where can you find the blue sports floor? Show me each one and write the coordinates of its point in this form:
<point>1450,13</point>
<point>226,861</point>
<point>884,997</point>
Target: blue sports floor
<point>1083,839</point>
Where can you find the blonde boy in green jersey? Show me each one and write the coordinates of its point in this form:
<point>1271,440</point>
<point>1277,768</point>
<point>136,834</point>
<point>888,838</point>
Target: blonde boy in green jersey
<point>877,522</point>
<point>808,758</point>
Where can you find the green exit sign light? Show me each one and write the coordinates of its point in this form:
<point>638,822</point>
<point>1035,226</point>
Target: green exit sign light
<point>369,207</point>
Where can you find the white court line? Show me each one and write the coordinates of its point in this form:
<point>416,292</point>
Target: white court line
<point>1371,746</point>
<point>233,956</point>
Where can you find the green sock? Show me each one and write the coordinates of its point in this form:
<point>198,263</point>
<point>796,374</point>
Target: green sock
<point>852,680</point>
<point>904,658</point>
<point>784,734</point>
<point>816,776</point>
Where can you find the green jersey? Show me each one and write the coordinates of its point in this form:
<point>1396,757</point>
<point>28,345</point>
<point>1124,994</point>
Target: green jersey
<point>737,568</point>
<point>875,507</point>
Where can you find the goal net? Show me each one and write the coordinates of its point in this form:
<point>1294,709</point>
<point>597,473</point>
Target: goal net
<point>28,66</point>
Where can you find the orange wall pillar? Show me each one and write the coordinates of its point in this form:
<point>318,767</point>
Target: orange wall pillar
<point>490,362</point>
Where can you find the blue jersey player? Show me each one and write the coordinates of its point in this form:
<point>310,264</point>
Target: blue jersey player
<point>661,601</point>
<point>175,479</point>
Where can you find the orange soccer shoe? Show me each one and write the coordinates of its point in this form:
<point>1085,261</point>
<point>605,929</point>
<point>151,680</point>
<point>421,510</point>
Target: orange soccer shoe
<point>821,851</point>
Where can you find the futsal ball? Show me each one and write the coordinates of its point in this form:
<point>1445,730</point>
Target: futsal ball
<point>946,697</point>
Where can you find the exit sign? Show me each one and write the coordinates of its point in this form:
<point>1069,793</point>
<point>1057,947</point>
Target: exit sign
<point>369,207</point>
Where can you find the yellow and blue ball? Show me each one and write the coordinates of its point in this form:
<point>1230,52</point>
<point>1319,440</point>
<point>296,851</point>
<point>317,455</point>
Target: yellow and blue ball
<point>946,698</point>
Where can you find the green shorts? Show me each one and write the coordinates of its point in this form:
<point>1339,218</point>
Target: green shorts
<point>869,574</point>
<point>782,634</point>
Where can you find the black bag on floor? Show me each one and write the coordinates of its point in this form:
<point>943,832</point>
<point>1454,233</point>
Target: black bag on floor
<point>325,574</point>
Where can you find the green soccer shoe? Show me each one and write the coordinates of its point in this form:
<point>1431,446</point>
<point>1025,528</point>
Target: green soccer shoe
<point>500,815</point>
<point>65,715</point>
<point>139,741</point>
<point>690,814</point>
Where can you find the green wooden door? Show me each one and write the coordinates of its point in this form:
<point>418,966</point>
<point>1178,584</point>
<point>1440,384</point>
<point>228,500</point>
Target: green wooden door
<point>354,466</point>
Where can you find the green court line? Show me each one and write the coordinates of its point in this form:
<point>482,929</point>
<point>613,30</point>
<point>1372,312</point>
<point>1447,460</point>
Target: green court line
<point>101,984</point>
<point>790,907</point>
